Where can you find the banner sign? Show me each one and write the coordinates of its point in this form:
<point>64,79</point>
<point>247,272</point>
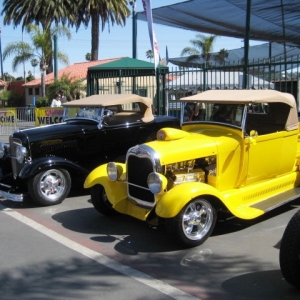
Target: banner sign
<point>7,116</point>
<point>47,116</point>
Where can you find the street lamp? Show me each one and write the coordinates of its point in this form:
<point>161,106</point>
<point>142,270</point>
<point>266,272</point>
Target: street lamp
<point>132,3</point>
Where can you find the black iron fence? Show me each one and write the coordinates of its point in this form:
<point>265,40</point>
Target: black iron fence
<point>278,74</point>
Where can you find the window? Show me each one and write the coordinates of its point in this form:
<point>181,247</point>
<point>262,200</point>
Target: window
<point>142,92</point>
<point>36,91</point>
<point>30,92</point>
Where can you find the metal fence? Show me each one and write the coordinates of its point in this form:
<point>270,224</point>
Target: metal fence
<point>279,74</point>
<point>12,119</point>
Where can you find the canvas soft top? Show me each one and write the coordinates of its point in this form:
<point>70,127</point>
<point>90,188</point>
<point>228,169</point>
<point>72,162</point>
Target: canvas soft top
<point>248,97</point>
<point>108,100</point>
<point>242,96</point>
<point>105,100</point>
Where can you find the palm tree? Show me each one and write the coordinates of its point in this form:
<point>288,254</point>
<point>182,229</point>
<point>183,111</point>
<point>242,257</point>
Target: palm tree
<point>88,56</point>
<point>109,11</point>
<point>34,62</point>
<point>39,12</point>
<point>40,50</point>
<point>149,54</point>
<point>73,87</point>
<point>73,13</point>
<point>222,55</point>
<point>202,48</point>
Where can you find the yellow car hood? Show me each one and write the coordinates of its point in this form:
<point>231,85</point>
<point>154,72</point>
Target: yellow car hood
<point>192,145</point>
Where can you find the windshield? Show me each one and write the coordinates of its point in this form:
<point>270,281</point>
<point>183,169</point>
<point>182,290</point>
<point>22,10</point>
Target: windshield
<point>83,112</point>
<point>214,112</point>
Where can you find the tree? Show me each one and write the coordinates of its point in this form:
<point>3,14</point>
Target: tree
<point>202,48</point>
<point>109,11</point>
<point>10,97</point>
<point>72,87</point>
<point>40,49</point>
<point>67,12</point>
<point>40,12</point>
<point>88,56</point>
<point>29,77</point>
<point>222,55</point>
<point>149,54</point>
<point>34,62</point>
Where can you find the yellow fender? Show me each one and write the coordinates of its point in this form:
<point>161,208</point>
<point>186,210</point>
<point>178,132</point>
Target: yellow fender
<point>115,190</point>
<point>171,203</point>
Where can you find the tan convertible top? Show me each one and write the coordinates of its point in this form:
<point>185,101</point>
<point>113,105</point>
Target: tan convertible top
<point>242,96</point>
<point>113,99</point>
<point>247,97</point>
<point>108,100</point>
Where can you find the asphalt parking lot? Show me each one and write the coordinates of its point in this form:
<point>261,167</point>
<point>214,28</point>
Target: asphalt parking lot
<point>239,261</point>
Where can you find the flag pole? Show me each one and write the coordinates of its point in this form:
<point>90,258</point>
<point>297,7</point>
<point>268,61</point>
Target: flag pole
<point>1,55</point>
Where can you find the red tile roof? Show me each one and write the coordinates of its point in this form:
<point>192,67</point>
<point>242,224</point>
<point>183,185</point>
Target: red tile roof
<point>78,70</point>
<point>3,83</point>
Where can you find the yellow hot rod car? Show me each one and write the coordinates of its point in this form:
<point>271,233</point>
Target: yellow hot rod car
<point>241,156</point>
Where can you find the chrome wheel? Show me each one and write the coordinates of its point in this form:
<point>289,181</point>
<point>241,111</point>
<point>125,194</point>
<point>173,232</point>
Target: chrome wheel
<point>50,187</point>
<point>194,223</point>
<point>52,184</point>
<point>197,219</point>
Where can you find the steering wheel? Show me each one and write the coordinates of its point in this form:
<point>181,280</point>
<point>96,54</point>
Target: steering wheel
<point>106,116</point>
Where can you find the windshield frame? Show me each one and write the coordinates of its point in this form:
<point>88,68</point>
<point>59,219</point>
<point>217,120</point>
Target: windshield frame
<point>239,121</point>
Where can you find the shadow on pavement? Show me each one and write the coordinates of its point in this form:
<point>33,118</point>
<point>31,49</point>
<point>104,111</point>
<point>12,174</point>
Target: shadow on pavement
<point>260,285</point>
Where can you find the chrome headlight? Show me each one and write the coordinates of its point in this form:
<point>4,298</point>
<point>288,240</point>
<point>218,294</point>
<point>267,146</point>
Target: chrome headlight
<point>155,183</point>
<point>21,153</point>
<point>112,171</point>
<point>3,150</point>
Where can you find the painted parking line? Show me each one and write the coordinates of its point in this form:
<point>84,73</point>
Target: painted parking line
<point>101,259</point>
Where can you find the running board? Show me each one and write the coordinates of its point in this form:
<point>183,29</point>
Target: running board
<point>278,200</point>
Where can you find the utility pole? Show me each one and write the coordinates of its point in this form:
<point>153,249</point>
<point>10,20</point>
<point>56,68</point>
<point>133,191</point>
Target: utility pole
<point>1,55</point>
<point>132,3</point>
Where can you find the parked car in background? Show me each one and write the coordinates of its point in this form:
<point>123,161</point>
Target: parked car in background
<point>289,255</point>
<point>243,159</point>
<point>45,161</point>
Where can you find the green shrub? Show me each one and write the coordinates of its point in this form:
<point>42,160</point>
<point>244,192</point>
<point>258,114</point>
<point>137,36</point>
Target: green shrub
<point>42,102</point>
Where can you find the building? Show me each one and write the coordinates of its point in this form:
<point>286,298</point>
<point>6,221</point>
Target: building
<point>33,89</point>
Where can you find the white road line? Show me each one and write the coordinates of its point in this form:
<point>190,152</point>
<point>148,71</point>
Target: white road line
<point>102,259</point>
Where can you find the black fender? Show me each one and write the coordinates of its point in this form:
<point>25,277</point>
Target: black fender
<point>37,165</point>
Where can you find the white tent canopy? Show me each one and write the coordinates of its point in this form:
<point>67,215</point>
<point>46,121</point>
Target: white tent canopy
<point>194,81</point>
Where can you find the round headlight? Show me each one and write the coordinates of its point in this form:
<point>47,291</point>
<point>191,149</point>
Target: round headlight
<point>112,171</point>
<point>154,183</point>
<point>21,152</point>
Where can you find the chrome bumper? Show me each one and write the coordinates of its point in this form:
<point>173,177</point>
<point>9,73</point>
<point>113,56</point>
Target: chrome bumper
<point>12,197</point>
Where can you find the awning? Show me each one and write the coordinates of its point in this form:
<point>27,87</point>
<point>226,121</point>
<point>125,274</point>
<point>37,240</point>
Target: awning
<point>272,20</point>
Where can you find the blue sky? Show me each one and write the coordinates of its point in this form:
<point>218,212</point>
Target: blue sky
<point>116,42</point>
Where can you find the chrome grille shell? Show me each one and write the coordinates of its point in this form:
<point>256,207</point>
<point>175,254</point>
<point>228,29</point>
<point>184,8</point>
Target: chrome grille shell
<point>16,166</point>
<point>141,160</point>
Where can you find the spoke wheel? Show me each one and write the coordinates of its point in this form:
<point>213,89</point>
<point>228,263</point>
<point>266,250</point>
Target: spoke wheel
<point>194,224</point>
<point>50,187</point>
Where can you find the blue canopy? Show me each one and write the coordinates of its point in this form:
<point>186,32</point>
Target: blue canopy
<point>271,21</point>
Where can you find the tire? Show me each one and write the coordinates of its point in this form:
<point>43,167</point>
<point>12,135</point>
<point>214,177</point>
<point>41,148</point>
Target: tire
<point>289,255</point>
<point>50,187</point>
<point>100,201</point>
<point>194,224</point>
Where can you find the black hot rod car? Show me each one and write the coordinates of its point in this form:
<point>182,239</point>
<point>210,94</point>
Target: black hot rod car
<point>46,160</point>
